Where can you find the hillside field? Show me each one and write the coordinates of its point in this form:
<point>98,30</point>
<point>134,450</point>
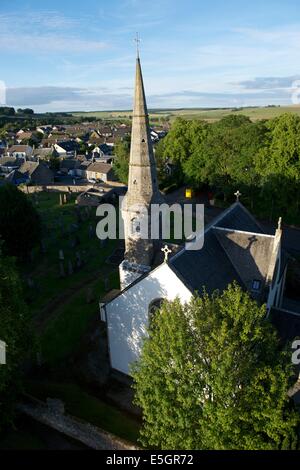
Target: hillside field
<point>255,113</point>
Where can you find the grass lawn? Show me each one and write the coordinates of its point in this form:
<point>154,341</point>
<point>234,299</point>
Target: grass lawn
<point>87,407</point>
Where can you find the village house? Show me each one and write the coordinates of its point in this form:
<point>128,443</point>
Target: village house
<point>36,173</point>
<point>43,153</point>
<point>69,166</point>
<point>100,172</point>
<point>8,164</point>
<point>66,148</point>
<point>20,151</point>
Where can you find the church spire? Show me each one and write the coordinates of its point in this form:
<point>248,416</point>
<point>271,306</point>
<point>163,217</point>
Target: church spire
<point>142,181</point>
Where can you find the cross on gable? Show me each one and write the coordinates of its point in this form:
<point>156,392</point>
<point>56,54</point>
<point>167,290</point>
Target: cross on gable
<point>166,250</point>
<point>238,195</point>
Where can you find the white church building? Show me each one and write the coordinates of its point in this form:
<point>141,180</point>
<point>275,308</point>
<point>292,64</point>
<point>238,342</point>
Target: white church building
<point>235,248</point>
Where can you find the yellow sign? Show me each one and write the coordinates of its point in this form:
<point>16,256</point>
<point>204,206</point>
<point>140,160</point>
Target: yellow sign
<point>188,193</point>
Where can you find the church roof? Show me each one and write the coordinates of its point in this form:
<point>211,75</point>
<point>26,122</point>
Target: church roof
<point>239,218</point>
<point>220,262</point>
<point>208,267</point>
<point>234,249</point>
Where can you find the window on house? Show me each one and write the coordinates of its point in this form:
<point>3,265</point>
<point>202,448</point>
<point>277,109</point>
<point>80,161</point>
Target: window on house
<point>256,285</point>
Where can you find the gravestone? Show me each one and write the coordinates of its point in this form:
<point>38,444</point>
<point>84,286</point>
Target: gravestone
<point>72,242</point>
<point>61,255</point>
<point>78,215</point>
<point>91,231</point>
<point>77,240</point>
<point>70,268</point>
<point>43,247</point>
<point>39,360</point>
<point>60,200</point>
<point>78,259</point>
<point>65,199</point>
<point>103,243</point>
<point>106,284</point>
<point>89,295</point>
<point>62,269</point>
<point>74,228</point>
<point>30,283</point>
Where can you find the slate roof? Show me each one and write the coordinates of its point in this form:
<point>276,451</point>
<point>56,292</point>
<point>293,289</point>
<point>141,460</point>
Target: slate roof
<point>220,260</point>
<point>249,253</point>
<point>29,167</point>
<point>10,162</point>
<point>20,148</point>
<point>69,164</point>
<point>99,167</point>
<point>209,267</point>
<point>239,218</point>
<point>15,176</point>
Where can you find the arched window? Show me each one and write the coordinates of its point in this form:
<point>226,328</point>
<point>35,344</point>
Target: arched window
<point>135,226</point>
<point>154,306</point>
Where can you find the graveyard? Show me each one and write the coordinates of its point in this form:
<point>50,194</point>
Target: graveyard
<point>68,274</point>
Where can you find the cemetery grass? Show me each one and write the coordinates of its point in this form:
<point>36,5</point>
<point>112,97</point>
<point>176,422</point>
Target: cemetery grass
<point>60,308</point>
<point>63,332</point>
<point>87,407</point>
<point>44,269</point>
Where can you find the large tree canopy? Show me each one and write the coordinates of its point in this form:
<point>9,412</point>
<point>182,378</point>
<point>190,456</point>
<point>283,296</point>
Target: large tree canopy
<point>15,332</point>
<point>20,226</point>
<point>262,159</point>
<point>212,376</point>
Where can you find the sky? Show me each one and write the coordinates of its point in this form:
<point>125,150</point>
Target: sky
<point>80,55</point>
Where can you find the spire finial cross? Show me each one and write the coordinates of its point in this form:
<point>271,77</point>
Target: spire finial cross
<point>137,40</point>
<point>166,250</point>
<point>238,195</point>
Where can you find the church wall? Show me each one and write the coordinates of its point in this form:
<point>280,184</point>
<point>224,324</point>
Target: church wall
<point>277,284</point>
<point>127,315</point>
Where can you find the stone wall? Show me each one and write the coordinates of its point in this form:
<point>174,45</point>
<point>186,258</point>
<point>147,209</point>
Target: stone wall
<point>62,188</point>
<point>52,414</point>
<point>55,188</point>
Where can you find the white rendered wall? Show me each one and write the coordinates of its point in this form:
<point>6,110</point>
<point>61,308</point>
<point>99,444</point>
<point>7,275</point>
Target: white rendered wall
<point>127,315</point>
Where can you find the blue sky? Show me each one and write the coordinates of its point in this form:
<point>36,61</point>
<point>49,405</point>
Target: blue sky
<point>80,55</point>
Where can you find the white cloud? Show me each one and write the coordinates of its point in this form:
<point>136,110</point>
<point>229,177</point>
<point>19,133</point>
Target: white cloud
<point>42,32</point>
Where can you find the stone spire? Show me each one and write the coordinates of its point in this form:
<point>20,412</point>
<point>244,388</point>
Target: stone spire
<point>142,181</point>
<point>142,184</point>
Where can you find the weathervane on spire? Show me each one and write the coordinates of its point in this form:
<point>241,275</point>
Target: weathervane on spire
<point>137,40</point>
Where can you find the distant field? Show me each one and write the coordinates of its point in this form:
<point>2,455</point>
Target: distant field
<point>197,113</point>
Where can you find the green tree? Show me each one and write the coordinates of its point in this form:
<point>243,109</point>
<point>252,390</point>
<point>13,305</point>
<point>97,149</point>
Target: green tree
<point>121,162</point>
<point>16,332</point>
<point>211,375</point>
<point>20,225</point>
